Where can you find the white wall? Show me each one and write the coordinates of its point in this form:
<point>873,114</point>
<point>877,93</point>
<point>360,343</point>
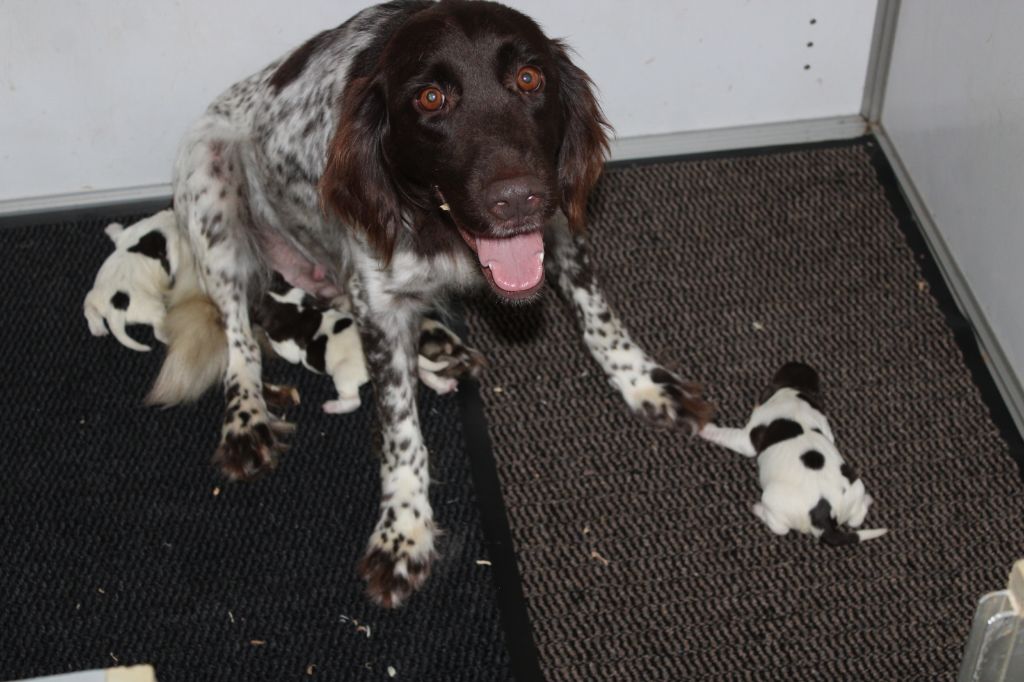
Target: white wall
<point>954,110</point>
<point>94,94</point>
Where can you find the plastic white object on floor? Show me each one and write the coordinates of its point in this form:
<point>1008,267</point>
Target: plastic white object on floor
<point>995,648</point>
<point>135,673</point>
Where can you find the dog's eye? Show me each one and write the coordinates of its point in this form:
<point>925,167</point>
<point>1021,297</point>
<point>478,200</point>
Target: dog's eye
<point>529,79</point>
<point>430,99</point>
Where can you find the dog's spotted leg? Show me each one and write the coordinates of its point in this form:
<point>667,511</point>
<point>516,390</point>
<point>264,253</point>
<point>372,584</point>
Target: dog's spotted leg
<point>211,201</point>
<point>649,389</point>
<point>401,548</point>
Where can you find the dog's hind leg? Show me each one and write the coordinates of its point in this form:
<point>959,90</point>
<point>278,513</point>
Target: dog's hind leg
<point>649,389</point>
<point>210,202</point>
<point>401,548</point>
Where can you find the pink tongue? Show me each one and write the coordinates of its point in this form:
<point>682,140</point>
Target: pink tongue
<point>516,263</point>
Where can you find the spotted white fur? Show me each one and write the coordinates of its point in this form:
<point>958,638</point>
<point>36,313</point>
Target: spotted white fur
<point>150,285</point>
<point>246,193</point>
<point>649,389</point>
<point>807,485</point>
<point>134,283</point>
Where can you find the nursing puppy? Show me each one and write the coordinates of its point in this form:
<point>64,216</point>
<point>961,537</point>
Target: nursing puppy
<point>136,282</point>
<point>807,485</point>
<point>151,270</point>
<point>324,339</point>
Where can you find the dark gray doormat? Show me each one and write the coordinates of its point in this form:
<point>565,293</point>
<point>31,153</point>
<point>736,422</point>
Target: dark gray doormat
<point>639,555</point>
<point>114,547</point>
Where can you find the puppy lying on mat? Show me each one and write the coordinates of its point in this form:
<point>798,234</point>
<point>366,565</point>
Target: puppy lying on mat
<point>807,485</point>
<point>151,269</point>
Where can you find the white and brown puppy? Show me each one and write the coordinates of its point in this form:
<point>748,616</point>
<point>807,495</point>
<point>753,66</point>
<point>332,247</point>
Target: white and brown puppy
<point>807,485</point>
<point>324,338</point>
<point>151,270</point>
<point>135,283</point>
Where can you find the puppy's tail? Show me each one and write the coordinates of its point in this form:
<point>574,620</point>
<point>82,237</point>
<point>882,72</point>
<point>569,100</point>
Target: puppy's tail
<point>837,537</point>
<point>197,352</point>
<point>871,534</point>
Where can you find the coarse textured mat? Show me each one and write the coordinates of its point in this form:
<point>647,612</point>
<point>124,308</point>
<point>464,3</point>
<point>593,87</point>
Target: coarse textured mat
<point>640,557</point>
<point>116,547</point>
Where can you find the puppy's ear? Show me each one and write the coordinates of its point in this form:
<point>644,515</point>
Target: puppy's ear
<point>585,142</point>
<point>356,184</point>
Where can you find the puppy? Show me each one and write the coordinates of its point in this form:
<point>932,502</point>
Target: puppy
<point>325,339</point>
<point>319,337</point>
<point>807,485</point>
<point>151,265</point>
<point>135,282</point>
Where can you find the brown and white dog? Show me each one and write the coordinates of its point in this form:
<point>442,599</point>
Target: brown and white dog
<point>418,151</point>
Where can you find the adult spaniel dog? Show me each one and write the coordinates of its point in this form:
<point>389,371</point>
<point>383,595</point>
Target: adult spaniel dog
<point>417,151</point>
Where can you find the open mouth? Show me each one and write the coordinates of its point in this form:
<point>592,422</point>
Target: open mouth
<point>513,266</point>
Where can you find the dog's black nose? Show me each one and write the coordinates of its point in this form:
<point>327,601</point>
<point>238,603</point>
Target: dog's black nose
<point>515,198</point>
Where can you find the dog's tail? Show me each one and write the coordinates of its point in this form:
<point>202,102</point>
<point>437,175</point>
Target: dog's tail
<point>197,351</point>
<point>837,537</point>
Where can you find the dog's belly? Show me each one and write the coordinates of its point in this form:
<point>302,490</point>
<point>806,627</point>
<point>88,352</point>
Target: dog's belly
<point>316,278</point>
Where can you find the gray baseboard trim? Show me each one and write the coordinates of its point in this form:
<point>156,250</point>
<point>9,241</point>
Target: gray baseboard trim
<point>1006,379</point>
<point>80,205</point>
<point>20,211</point>
<point>56,203</point>
<point>740,137</point>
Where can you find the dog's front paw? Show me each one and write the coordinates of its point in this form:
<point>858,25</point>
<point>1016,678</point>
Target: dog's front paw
<point>249,448</point>
<point>664,399</point>
<point>398,560</point>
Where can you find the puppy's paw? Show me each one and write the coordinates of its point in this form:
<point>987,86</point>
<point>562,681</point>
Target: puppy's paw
<point>432,379</point>
<point>249,446</point>
<point>398,559</point>
<point>280,397</point>
<point>443,353</point>
<point>342,405</point>
<point>661,397</point>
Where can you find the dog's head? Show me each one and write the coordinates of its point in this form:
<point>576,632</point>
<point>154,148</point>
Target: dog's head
<point>465,124</point>
<point>799,377</point>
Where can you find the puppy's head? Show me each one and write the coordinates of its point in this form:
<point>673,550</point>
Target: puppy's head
<point>799,377</point>
<point>463,122</point>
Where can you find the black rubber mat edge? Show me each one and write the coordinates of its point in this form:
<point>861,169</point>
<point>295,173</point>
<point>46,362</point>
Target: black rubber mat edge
<point>515,620</point>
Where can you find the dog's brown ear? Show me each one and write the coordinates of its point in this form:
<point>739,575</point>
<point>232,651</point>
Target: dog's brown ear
<point>585,142</point>
<point>356,184</point>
